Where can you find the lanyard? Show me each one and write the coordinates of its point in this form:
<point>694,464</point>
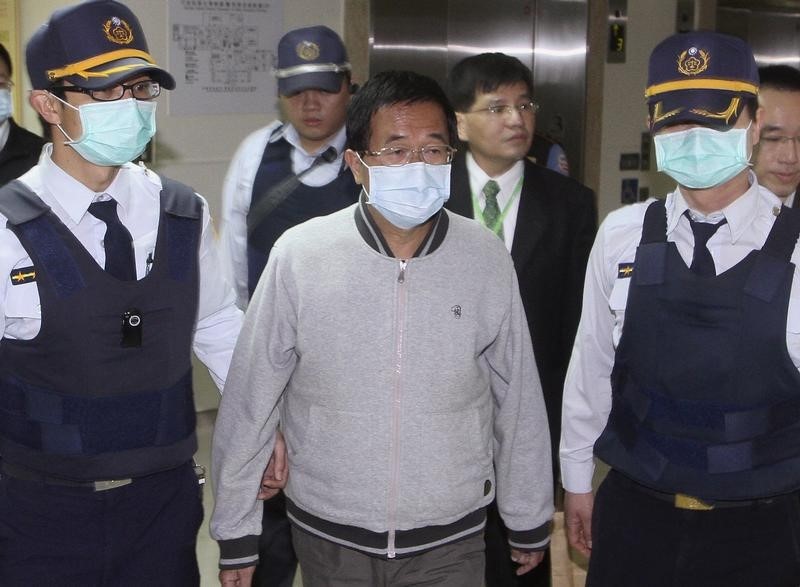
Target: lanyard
<point>476,206</point>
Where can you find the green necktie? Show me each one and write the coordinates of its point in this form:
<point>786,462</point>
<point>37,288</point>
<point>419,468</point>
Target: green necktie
<point>491,211</point>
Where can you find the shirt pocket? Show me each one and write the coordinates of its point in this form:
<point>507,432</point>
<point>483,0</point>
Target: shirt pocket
<point>22,301</point>
<point>616,303</point>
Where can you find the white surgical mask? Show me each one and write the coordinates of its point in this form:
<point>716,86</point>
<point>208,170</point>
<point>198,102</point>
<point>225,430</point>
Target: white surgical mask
<point>408,195</point>
<point>6,104</point>
<point>114,133</point>
<point>701,158</point>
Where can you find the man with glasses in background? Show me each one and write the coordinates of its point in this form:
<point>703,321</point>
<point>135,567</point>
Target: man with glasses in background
<point>777,155</point>
<point>112,281</point>
<point>19,148</point>
<point>547,222</point>
<point>405,386</point>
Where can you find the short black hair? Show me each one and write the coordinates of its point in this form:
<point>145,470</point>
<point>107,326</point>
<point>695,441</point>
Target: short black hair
<point>388,88</point>
<point>6,57</point>
<point>784,78</point>
<point>485,73</point>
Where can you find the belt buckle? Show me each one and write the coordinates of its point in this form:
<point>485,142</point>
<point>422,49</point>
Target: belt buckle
<point>111,484</point>
<point>688,502</point>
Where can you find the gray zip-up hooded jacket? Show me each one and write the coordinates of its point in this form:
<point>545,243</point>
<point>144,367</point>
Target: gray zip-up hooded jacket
<point>407,391</point>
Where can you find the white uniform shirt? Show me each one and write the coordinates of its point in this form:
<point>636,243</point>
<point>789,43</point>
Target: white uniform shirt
<point>508,182</point>
<point>587,390</point>
<point>237,191</point>
<point>136,191</point>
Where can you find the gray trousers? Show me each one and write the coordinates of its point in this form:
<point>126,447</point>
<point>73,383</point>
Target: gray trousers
<point>326,564</point>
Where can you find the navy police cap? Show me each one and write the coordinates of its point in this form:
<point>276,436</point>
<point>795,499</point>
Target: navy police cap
<point>94,44</point>
<point>700,77</point>
<point>311,58</point>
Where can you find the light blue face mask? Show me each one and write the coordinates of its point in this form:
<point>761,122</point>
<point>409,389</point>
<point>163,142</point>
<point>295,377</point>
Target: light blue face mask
<point>114,133</point>
<point>6,104</point>
<point>701,158</point>
<point>410,194</point>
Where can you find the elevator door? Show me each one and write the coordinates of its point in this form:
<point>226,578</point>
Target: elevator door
<point>549,36</point>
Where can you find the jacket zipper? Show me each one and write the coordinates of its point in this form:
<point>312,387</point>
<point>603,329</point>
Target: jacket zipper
<point>400,310</point>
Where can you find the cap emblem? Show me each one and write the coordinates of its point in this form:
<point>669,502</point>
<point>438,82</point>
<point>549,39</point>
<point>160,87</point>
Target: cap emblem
<point>693,61</point>
<point>117,31</point>
<point>307,51</point>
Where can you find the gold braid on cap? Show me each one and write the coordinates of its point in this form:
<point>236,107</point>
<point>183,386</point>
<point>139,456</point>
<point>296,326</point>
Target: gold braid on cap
<point>81,67</point>
<point>702,84</point>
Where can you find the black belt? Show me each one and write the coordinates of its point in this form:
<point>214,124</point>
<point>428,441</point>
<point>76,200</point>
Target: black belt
<point>29,475</point>
<point>684,501</point>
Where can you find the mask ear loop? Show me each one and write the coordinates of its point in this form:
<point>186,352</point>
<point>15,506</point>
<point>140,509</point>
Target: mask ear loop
<point>69,140</point>
<point>369,174</point>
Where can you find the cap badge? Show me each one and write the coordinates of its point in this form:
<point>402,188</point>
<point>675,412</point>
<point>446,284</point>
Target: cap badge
<point>117,31</point>
<point>307,51</point>
<point>693,61</point>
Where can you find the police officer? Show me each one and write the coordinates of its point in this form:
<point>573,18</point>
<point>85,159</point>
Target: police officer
<point>684,376</point>
<point>287,172</point>
<point>112,279</point>
<point>281,175</point>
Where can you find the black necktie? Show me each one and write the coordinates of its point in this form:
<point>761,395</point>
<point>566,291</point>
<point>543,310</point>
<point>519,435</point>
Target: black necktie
<point>702,262</point>
<point>117,242</point>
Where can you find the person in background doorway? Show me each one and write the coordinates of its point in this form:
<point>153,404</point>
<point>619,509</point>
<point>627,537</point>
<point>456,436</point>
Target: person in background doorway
<point>19,148</point>
<point>547,222</point>
<point>777,156</point>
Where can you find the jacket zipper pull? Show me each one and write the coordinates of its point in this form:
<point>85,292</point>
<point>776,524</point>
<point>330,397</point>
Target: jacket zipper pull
<point>402,277</point>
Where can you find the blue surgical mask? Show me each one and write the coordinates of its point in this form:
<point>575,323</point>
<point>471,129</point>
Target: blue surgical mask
<point>410,194</point>
<point>6,104</point>
<point>114,133</point>
<point>701,158</point>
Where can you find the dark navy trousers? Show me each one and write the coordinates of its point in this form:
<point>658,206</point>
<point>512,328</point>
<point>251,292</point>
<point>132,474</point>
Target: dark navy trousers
<point>642,540</point>
<point>275,549</point>
<point>139,534</point>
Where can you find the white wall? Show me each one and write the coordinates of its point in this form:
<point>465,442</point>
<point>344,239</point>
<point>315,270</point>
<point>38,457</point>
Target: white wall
<point>624,110</point>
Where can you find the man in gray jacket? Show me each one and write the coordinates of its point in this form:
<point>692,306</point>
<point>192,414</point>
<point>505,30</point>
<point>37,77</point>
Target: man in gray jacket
<point>390,341</point>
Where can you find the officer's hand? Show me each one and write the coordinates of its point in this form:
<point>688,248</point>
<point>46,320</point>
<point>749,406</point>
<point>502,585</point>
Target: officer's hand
<point>237,577</point>
<point>578,520</point>
<point>526,560</point>
<point>277,471</point>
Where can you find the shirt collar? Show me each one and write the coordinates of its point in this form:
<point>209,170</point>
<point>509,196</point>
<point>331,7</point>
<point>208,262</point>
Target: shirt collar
<point>507,180</point>
<point>290,134</point>
<point>740,213</point>
<point>72,195</point>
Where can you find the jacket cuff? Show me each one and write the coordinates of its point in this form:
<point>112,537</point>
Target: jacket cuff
<point>530,540</point>
<point>238,553</point>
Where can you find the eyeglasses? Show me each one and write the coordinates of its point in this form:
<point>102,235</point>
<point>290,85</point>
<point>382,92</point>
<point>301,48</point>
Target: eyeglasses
<point>525,108</point>
<point>775,142</point>
<point>398,155</point>
<point>143,90</point>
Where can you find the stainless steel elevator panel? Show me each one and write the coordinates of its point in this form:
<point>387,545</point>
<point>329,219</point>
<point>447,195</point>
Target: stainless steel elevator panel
<point>549,36</point>
<point>559,75</point>
<point>773,36</point>
<point>409,35</point>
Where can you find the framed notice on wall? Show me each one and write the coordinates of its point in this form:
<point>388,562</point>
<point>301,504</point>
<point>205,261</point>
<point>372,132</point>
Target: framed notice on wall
<point>9,27</point>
